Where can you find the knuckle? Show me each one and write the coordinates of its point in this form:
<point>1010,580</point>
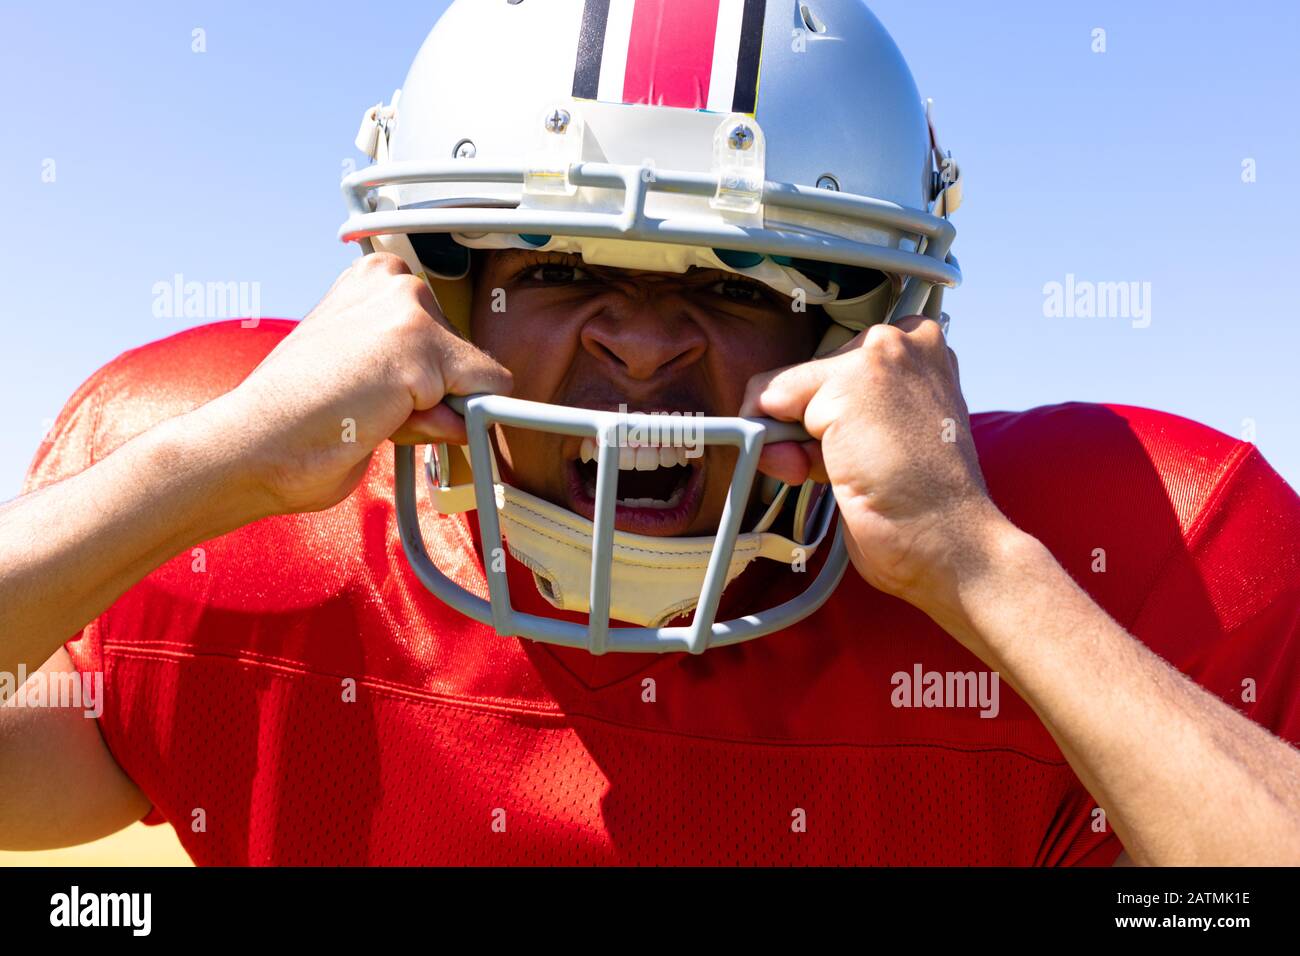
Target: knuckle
<point>879,334</point>
<point>505,377</point>
<point>884,344</point>
<point>407,305</point>
<point>423,381</point>
<point>929,333</point>
<point>410,286</point>
<point>754,387</point>
<point>417,290</point>
<point>381,263</point>
<point>763,385</point>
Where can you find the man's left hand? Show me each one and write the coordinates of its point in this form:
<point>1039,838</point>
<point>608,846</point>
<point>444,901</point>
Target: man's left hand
<point>892,438</point>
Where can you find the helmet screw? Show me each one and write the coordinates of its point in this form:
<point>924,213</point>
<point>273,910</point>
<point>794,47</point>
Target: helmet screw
<point>558,121</point>
<point>741,137</point>
<point>828,182</point>
<point>465,149</point>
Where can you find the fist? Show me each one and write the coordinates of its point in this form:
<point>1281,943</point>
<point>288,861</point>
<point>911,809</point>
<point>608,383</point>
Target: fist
<point>892,438</point>
<point>372,361</point>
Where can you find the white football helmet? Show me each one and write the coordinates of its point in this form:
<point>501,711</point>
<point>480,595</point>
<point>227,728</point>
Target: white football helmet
<point>781,140</point>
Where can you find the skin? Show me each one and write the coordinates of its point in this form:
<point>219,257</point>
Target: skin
<point>592,337</point>
<point>1183,778</point>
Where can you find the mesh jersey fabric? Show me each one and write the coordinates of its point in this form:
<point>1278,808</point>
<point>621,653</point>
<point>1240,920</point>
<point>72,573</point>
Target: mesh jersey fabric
<point>293,695</point>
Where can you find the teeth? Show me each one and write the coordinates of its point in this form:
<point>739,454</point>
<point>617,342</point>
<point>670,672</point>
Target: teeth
<point>648,458</point>
<point>634,457</point>
<point>672,502</point>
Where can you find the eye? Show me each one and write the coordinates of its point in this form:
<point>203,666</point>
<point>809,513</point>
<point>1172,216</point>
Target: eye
<point>740,290</point>
<point>556,273</point>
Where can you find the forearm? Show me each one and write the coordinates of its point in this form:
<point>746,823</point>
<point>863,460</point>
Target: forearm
<point>1183,778</point>
<point>68,551</point>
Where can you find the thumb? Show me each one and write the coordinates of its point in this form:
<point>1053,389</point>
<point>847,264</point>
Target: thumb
<point>784,393</point>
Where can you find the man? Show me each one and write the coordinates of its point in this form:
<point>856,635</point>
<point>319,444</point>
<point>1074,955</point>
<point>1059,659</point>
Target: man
<point>213,519</point>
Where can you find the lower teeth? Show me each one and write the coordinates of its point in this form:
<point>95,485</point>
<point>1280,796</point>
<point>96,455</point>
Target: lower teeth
<point>657,503</point>
<point>672,502</point>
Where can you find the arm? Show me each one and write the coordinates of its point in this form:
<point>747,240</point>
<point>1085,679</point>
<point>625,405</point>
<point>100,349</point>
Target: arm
<point>375,352</point>
<point>61,785</point>
<point>67,552</point>
<point>70,549</point>
<point>1183,777</point>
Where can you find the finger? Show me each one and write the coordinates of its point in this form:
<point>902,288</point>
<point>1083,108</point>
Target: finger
<point>467,369</point>
<point>785,461</point>
<point>445,364</point>
<point>930,334</point>
<point>794,462</point>
<point>933,334</point>
<point>784,394</point>
<point>909,323</point>
<point>816,465</point>
<point>386,262</point>
<point>430,425</point>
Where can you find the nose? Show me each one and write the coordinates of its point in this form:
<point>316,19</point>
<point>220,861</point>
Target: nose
<point>644,332</point>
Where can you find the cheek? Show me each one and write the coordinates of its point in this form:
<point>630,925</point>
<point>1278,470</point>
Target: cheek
<point>741,353</point>
<point>538,352</point>
<point>525,457</point>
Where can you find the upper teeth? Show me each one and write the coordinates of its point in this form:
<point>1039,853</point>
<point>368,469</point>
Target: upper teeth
<point>643,458</point>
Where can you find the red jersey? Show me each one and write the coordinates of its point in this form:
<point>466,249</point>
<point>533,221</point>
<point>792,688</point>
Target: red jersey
<point>292,695</point>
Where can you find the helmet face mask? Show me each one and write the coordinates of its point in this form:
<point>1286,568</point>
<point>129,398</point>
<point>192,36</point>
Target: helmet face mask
<point>602,338</point>
<point>675,139</point>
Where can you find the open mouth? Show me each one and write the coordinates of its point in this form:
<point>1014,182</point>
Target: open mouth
<point>659,487</point>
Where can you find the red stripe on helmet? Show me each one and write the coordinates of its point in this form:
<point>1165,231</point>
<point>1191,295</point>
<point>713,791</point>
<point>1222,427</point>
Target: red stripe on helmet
<point>670,53</point>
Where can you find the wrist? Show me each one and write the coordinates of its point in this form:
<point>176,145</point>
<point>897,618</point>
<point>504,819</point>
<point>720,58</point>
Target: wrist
<point>989,568</point>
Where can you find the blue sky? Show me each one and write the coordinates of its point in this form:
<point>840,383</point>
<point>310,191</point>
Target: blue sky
<point>1122,166</point>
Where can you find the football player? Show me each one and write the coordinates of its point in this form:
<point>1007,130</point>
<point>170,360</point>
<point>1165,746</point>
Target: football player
<point>710,563</point>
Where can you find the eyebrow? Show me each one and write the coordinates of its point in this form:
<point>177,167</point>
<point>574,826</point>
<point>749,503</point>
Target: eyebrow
<point>695,274</point>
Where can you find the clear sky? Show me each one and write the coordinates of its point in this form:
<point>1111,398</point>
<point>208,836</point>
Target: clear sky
<point>1119,166</point>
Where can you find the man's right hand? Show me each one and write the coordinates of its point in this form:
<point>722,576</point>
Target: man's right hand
<point>372,361</point>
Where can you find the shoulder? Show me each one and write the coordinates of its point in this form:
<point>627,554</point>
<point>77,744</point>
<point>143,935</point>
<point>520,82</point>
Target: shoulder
<point>147,385</point>
<point>1063,464</point>
<point>1153,514</point>
<point>1102,454</point>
